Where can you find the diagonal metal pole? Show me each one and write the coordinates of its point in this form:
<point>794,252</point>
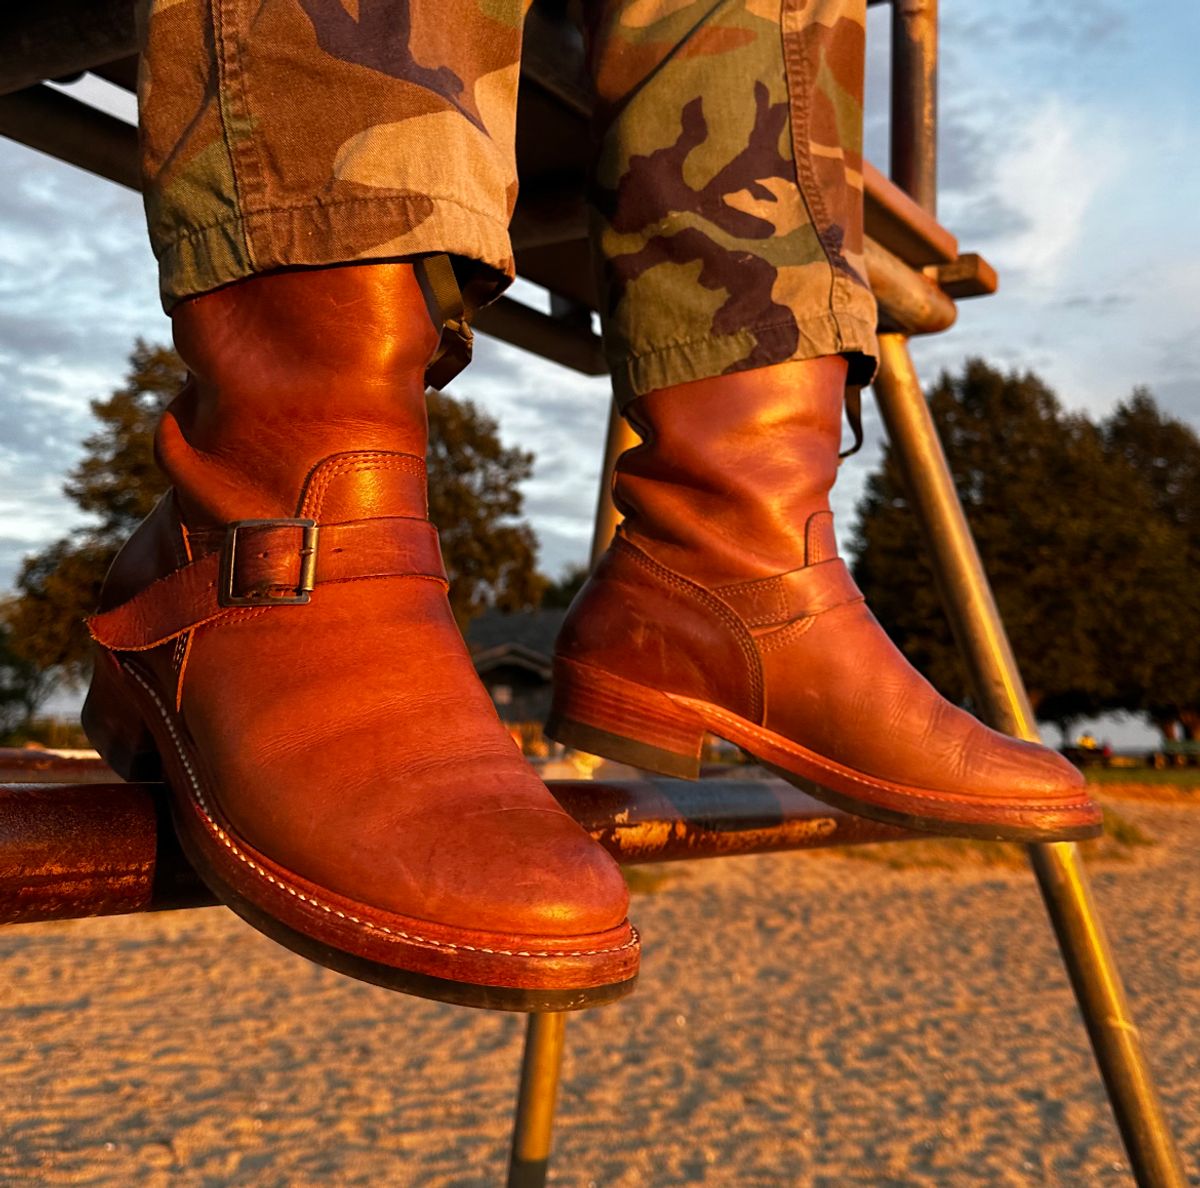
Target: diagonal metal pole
<point>1001,695</point>
<point>533,1125</point>
<point>544,1034</point>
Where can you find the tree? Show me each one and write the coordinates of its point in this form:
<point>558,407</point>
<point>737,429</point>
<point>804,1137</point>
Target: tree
<point>560,594</point>
<point>118,483</point>
<point>1085,568</point>
<point>23,686</point>
<point>475,500</point>
<point>1165,452</point>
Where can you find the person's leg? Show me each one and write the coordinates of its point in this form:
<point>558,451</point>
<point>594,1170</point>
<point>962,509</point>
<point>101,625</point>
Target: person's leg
<point>728,216</point>
<point>727,199</point>
<point>313,132</point>
<point>277,633</point>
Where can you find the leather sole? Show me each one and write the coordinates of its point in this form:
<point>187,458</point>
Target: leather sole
<point>603,714</point>
<point>139,738</point>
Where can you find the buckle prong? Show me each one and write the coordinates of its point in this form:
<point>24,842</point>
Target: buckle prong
<point>308,565</point>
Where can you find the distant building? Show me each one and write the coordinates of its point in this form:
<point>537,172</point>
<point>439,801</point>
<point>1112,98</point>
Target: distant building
<point>513,654</point>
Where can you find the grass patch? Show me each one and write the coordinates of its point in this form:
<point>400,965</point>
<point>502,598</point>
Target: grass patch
<point>1121,839</point>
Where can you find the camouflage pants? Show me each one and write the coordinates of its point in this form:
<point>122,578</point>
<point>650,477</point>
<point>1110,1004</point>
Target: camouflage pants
<point>726,202</point>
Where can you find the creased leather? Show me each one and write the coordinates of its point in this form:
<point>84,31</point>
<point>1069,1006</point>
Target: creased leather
<point>729,491</point>
<point>348,740</point>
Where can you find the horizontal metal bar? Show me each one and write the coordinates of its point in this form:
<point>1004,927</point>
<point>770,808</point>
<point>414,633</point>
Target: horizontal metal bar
<point>908,300</point>
<point>51,122</point>
<point>69,850</point>
<point>892,218</point>
<point>121,73</point>
<point>548,215</point>
<point>559,340</point>
<point>59,38</point>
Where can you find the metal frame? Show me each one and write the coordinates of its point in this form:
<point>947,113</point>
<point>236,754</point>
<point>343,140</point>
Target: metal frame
<point>981,638</point>
<point>916,272</point>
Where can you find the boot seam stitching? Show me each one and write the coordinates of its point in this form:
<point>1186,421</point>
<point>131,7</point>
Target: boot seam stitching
<point>799,625</point>
<point>773,586</point>
<point>765,734</point>
<point>713,603</point>
<point>363,462</point>
<point>395,933</point>
<point>786,634</point>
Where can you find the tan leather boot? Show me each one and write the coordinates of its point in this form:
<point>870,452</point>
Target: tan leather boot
<point>277,635</point>
<point>722,606</point>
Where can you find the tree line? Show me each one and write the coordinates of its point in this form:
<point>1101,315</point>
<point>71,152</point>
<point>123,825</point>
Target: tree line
<point>1089,530</point>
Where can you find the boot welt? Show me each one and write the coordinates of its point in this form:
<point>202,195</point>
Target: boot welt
<point>443,962</point>
<point>598,712</point>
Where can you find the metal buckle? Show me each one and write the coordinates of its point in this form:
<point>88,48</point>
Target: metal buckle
<point>308,565</point>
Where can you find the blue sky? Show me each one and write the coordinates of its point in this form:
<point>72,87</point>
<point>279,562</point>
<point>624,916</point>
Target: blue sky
<point>1069,144</point>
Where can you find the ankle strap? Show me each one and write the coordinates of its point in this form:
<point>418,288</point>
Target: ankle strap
<point>268,563</point>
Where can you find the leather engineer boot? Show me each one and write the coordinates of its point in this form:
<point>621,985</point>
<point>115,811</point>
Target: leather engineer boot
<point>277,636</point>
<point>722,606</point>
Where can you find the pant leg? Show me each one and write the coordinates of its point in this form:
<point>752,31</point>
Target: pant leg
<point>310,132</point>
<point>727,198</point>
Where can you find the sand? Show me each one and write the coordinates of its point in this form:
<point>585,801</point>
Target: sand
<point>809,1020</point>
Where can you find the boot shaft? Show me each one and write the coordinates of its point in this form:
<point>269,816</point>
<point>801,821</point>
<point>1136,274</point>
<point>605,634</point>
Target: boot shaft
<point>288,369</point>
<point>732,479</point>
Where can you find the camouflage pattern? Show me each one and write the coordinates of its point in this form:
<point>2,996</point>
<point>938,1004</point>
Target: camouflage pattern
<point>727,198</point>
<point>728,190</point>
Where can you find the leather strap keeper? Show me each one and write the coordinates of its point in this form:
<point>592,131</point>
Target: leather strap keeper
<point>794,595</point>
<point>267,563</point>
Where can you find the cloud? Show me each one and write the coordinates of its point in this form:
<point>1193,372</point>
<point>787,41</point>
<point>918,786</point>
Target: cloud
<point>1048,166</point>
<point>1053,173</point>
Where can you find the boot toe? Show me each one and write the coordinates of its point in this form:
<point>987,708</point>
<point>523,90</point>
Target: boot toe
<point>1026,772</point>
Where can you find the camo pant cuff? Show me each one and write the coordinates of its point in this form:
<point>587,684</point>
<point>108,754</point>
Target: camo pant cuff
<point>848,334</point>
<point>319,234</point>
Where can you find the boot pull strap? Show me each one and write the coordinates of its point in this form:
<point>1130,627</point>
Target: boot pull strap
<point>440,285</point>
<point>854,416</point>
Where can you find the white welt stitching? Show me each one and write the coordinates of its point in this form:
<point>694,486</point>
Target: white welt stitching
<point>395,933</point>
<point>723,718</point>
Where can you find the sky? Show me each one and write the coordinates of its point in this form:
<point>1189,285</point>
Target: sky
<point>1069,147</point>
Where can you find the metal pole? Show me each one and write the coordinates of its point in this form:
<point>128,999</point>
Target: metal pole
<point>914,99</point>
<point>1002,698</point>
<point>534,1120</point>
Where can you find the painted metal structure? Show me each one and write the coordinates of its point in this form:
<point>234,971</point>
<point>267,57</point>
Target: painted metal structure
<point>917,273</point>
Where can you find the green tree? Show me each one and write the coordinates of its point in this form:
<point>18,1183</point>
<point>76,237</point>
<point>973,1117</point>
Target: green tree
<point>23,686</point>
<point>475,500</point>
<point>559,594</point>
<point>1077,552</point>
<point>1164,680</point>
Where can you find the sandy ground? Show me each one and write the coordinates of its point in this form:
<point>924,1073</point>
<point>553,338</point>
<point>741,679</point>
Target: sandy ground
<point>812,1020</point>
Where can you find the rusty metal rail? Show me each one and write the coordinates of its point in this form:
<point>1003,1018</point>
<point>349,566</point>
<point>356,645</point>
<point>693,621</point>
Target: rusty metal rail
<point>105,848</point>
<point>79,850</point>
